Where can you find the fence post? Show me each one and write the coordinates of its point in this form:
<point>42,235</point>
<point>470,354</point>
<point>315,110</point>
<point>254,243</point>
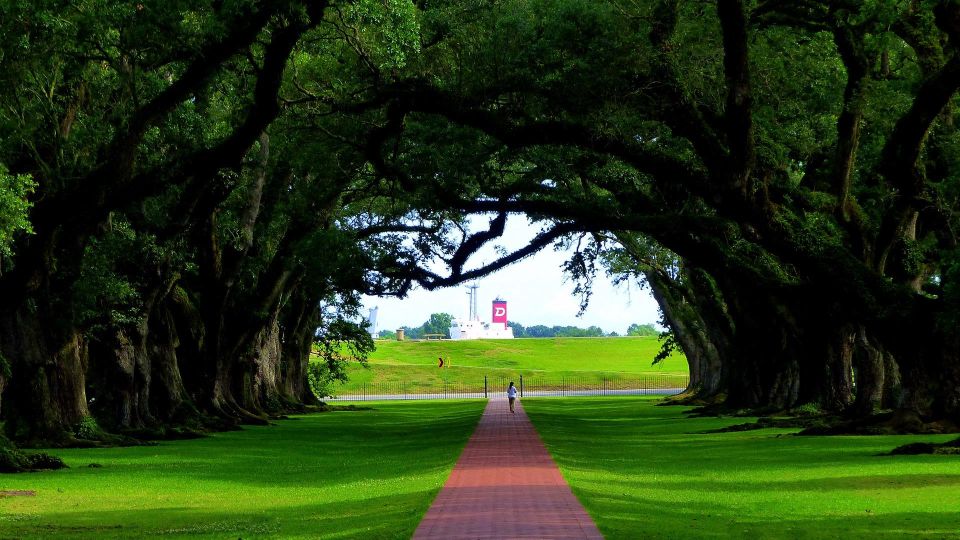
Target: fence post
<point>485,396</point>
<point>521,386</point>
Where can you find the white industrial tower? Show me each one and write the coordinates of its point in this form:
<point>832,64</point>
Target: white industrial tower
<point>372,322</point>
<point>472,293</point>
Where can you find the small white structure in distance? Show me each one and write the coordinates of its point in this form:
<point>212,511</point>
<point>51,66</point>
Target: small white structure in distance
<point>473,328</point>
<point>372,323</point>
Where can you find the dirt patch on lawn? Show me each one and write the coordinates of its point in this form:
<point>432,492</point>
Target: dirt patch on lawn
<point>17,493</point>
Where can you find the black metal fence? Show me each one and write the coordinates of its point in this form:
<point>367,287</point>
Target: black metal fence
<point>529,386</point>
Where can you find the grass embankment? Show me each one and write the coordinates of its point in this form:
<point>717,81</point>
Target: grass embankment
<point>547,360</point>
<point>345,474</point>
<point>648,472</point>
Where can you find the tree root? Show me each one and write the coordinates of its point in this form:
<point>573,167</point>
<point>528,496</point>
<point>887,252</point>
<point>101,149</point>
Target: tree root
<point>900,422</point>
<point>950,448</point>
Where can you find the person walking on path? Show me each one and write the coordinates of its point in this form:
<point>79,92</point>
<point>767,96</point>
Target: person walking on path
<point>512,396</point>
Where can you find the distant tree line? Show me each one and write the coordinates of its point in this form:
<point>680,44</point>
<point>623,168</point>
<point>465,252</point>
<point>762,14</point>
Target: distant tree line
<point>439,323</point>
<point>542,331</point>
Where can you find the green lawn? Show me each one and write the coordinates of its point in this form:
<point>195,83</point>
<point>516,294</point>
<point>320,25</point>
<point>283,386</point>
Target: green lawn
<point>345,474</point>
<point>412,365</point>
<point>648,472</point>
<point>641,471</point>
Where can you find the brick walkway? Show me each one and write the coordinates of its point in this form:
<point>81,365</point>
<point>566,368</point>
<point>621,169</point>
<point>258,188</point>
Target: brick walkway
<point>506,485</point>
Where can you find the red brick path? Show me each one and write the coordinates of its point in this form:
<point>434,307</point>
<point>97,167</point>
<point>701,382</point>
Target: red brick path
<point>506,485</point>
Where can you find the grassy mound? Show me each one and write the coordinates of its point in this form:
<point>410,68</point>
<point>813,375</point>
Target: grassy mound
<point>411,366</point>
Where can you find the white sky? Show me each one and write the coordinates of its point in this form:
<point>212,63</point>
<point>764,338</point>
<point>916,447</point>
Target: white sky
<point>534,288</point>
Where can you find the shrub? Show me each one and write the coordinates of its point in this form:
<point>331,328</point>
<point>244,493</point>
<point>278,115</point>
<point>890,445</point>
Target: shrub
<point>87,428</point>
<point>321,379</point>
<point>13,460</point>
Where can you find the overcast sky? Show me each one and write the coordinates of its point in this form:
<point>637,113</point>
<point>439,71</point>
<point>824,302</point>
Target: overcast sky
<point>534,289</point>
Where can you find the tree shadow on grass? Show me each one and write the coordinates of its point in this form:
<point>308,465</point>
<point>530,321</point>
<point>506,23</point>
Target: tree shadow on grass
<point>812,484</point>
<point>642,474</point>
<point>384,517</point>
<point>375,472</point>
<point>628,519</point>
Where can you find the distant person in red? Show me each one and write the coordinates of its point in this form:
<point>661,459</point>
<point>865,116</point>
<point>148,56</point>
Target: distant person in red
<point>440,361</point>
<point>512,396</point>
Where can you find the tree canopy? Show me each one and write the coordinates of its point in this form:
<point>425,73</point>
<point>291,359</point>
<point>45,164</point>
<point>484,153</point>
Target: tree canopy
<point>193,193</point>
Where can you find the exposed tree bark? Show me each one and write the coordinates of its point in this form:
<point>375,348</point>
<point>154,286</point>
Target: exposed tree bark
<point>170,401</point>
<point>703,343</point>
<point>47,399</point>
<point>261,384</point>
<point>717,326</point>
<point>298,323</point>
<point>869,368</point>
<point>855,59</point>
<point>836,392</point>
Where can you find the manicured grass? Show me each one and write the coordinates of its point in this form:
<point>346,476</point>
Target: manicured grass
<point>626,354</point>
<point>413,364</point>
<point>644,471</point>
<point>345,474</point>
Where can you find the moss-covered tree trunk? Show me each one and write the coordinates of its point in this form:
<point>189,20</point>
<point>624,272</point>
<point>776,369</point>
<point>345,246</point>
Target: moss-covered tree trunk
<point>169,399</point>
<point>46,398</point>
<point>869,368</point>
<point>716,328</point>
<point>298,324</point>
<point>261,382</point>
<point>684,307</point>
<point>835,391</point>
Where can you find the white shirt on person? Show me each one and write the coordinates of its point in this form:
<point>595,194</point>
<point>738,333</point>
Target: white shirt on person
<point>512,392</point>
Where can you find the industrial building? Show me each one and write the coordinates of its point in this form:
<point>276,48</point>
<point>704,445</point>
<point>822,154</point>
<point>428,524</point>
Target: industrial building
<point>473,328</point>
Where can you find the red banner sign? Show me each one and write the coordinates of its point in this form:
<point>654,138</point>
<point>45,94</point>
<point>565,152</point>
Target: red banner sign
<point>500,312</point>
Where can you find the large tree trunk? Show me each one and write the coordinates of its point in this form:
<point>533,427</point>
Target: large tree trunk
<point>926,366</point>
<point>683,310</point>
<point>298,326</point>
<point>137,378</point>
<point>765,364</point>
<point>893,388</point>
<point>261,383</point>
<point>118,383</point>
<point>836,390</point>
<point>47,395</point>
<point>869,368</point>
<point>170,401</point>
<point>671,307</point>
<point>717,329</point>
